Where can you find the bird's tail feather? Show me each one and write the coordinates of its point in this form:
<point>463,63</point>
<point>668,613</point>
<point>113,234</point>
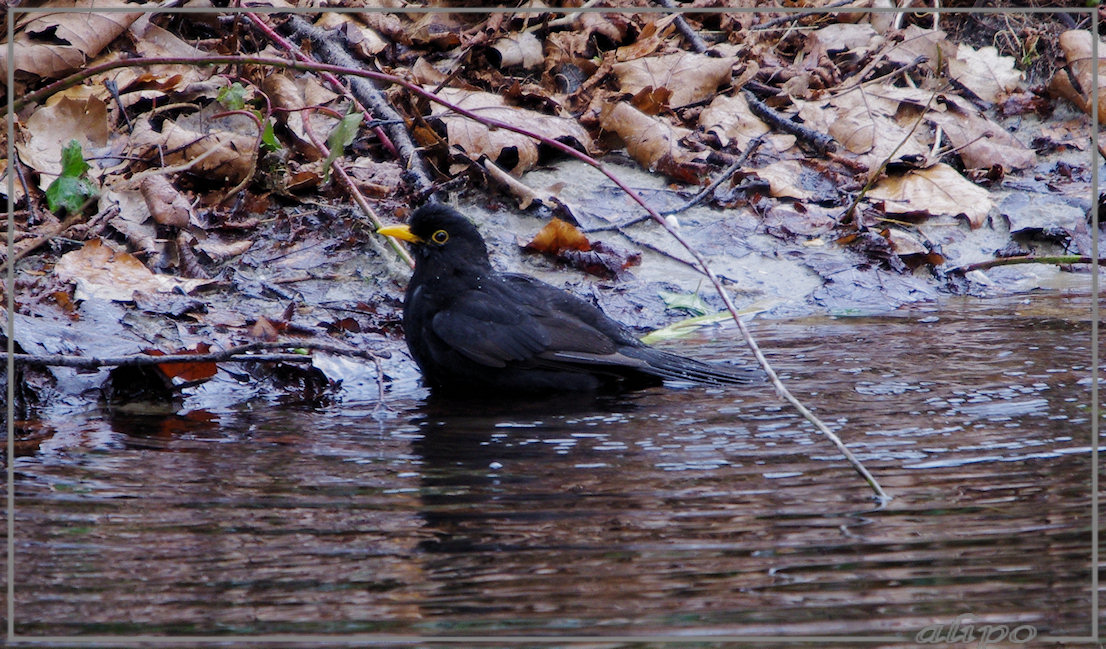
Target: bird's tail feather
<point>680,368</point>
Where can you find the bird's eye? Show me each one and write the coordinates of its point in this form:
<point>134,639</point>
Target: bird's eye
<point>440,237</point>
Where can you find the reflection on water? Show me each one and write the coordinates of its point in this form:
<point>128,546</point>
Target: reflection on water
<point>667,511</point>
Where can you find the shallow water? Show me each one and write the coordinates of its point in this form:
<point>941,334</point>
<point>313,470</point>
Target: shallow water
<point>690,511</point>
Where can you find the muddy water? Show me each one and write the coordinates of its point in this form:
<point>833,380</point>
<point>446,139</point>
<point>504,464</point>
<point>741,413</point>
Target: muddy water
<point>669,511</point>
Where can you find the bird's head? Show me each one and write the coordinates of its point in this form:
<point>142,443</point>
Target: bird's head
<point>439,234</point>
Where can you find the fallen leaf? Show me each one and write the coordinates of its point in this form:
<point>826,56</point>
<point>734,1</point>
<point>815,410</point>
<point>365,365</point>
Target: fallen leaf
<point>936,190</point>
<point>525,194</point>
<point>101,273</point>
<point>187,371</point>
<point>979,141</point>
<point>476,139</point>
<point>984,72</point>
<point>690,302</point>
<point>839,37</point>
<point>690,77</point>
<point>361,38</point>
<point>556,237</point>
<point>917,41</point>
<point>521,50</point>
<point>784,179</point>
<point>1077,45</point>
<point>166,204</point>
<point>231,141</point>
<point>866,123</point>
<point>651,38</point>
<point>648,139</point>
<point>263,329</point>
<point>730,120</point>
<point>52,127</point>
<point>50,44</point>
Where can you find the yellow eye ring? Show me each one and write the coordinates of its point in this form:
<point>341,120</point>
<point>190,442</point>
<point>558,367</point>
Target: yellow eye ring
<point>440,237</point>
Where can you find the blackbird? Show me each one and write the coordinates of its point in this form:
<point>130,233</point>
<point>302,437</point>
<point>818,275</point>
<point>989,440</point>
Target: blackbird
<point>472,329</point>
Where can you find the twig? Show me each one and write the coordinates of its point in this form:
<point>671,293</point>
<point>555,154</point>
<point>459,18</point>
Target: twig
<point>41,239</point>
<point>693,39</point>
<point>371,96</point>
<point>886,161</point>
<point>1055,260</point>
<point>821,142</point>
<point>329,78</point>
<point>254,155</point>
<point>347,182</point>
<point>695,200</point>
<point>239,353</point>
<point>754,144</point>
<point>783,20</point>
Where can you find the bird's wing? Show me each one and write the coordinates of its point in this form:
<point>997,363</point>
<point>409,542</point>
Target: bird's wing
<point>488,329</point>
<point>512,322</point>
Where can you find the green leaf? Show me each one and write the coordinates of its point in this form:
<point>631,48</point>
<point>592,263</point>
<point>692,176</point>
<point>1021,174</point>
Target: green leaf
<point>341,137</point>
<point>268,138</point>
<point>233,96</point>
<point>688,326</point>
<point>72,160</point>
<point>690,302</point>
<point>71,189</point>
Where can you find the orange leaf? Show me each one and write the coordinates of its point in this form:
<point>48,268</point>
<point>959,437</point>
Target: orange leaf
<point>558,236</point>
<point>187,371</point>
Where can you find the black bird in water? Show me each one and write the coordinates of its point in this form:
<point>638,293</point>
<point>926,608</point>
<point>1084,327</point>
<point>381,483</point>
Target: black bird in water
<point>471,328</point>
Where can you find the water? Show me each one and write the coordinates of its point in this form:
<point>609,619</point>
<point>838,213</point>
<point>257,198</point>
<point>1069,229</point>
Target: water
<point>669,511</point>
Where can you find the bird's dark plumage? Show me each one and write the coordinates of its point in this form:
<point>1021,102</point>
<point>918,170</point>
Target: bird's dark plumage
<point>470,328</point>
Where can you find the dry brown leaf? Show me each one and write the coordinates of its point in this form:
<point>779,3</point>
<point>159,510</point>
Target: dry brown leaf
<point>917,41</point>
<point>50,128</point>
<point>730,120</point>
<point>651,38</point>
<point>50,45</point>
<point>936,190</point>
<point>865,123</point>
<point>690,77</point>
<point>783,179</point>
<point>217,249</point>
<point>427,74</point>
<point>1072,133</point>
<point>134,223</point>
<point>151,41</point>
<point>379,178</point>
<point>476,139</point>
<point>838,37</point>
<point>18,194</point>
<point>441,30</point>
<point>613,27</point>
<point>166,204</point>
<point>648,139</point>
<point>1077,47</point>
<point>518,50</point>
<point>285,93</point>
<point>980,142</point>
<point>984,72</point>
<point>904,243</point>
<point>232,152</point>
<point>101,273</point>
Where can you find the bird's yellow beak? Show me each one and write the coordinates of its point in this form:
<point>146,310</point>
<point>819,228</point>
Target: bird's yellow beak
<point>399,232</point>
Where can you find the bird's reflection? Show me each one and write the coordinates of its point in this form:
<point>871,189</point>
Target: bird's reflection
<point>487,462</point>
